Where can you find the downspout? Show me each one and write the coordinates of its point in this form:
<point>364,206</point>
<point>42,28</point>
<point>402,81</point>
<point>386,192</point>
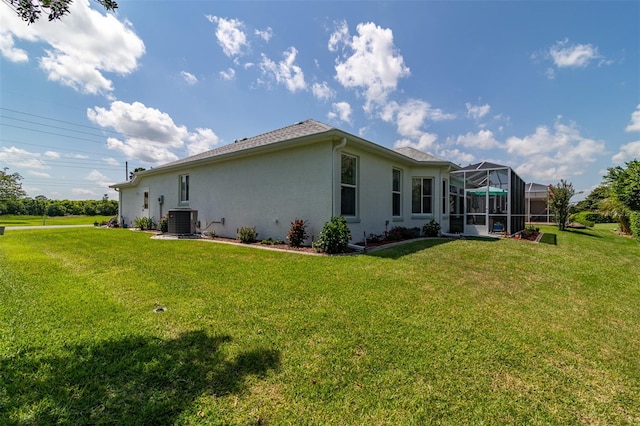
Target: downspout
<point>444,198</point>
<point>120,218</point>
<point>441,196</point>
<point>341,145</point>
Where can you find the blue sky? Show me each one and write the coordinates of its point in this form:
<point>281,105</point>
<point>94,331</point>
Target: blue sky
<point>551,89</point>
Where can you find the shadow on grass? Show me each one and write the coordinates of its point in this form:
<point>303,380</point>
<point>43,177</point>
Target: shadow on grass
<point>136,380</point>
<point>396,252</point>
<point>548,238</point>
<point>582,232</point>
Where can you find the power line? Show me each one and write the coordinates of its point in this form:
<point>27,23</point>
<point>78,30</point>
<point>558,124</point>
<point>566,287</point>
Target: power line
<point>101,129</point>
<point>52,133</point>
<point>58,121</point>
<point>50,125</point>
<point>58,148</point>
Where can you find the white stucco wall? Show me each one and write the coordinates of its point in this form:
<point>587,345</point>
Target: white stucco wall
<point>268,191</point>
<point>375,184</point>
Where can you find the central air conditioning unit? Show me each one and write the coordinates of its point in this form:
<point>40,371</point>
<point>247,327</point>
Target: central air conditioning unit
<point>182,221</point>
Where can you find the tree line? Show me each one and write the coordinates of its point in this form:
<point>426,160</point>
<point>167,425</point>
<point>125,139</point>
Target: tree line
<point>617,198</point>
<point>14,200</point>
<point>41,207</point>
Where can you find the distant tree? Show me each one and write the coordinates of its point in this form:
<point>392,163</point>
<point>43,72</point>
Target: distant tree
<point>625,184</point>
<point>559,197</point>
<point>136,170</point>
<point>593,200</point>
<point>10,188</point>
<point>30,10</point>
<point>614,209</point>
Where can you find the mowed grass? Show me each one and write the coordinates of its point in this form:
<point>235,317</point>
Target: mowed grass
<point>433,332</point>
<point>26,220</point>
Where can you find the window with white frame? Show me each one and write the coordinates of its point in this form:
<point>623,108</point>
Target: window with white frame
<point>348,185</point>
<point>422,196</point>
<point>396,193</point>
<point>184,189</point>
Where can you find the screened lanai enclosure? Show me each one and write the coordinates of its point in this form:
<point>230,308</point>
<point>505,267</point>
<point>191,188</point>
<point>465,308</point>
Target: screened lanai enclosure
<point>486,199</point>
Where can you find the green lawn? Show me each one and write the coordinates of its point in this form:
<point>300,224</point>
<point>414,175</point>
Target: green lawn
<point>434,332</point>
<point>24,220</point>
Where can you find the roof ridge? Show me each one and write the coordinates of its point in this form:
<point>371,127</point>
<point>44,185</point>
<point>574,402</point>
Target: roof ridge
<point>273,136</point>
<point>308,120</point>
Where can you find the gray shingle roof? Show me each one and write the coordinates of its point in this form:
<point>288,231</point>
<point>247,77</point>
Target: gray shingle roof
<point>417,155</point>
<point>298,130</point>
<point>294,131</point>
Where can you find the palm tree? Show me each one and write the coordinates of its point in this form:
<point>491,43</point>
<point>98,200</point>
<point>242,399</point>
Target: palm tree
<point>613,208</point>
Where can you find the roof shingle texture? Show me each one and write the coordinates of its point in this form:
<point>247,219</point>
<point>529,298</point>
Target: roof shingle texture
<point>417,155</point>
<point>298,130</point>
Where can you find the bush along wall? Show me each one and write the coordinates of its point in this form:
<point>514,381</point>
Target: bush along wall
<point>634,219</point>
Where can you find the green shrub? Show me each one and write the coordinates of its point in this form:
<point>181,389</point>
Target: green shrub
<point>271,242</point>
<point>589,217</point>
<point>402,233</point>
<point>163,224</point>
<point>431,229</point>
<point>334,236</point>
<point>529,232</point>
<point>144,223</point>
<point>247,235</point>
<point>634,219</point>
<point>298,233</point>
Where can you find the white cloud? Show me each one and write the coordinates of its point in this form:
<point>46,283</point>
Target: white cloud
<point>285,72</point>
<point>550,73</point>
<point>201,140</point>
<point>83,192</point>
<point>476,112</point>
<point>111,161</point>
<point>553,154</point>
<point>339,36</point>
<point>565,55</point>
<point>98,178</point>
<point>22,158</point>
<point>410,118</point>
<point>188,77</point>
<point>627,152</point>
<point>81,47</point>
<point>8,49</point>
<point>484,139</point>
<point>424,143</point>
<point>229,74</point>
<point>148,134</point>
<point>634,126</point>
<point>341,111</point>
<point>95,175</point>
<point>52,154</point>
<point>38,174</point>
<point>265,34</point>
<point>230,35</point>
<point>374,65</point>
<point>322,91</point>
<point>457,156</point>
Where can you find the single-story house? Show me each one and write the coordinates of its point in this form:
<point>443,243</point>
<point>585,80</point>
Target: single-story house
<point>308,170</point>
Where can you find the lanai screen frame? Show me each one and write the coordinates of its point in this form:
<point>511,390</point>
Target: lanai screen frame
<point>494,199</point>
